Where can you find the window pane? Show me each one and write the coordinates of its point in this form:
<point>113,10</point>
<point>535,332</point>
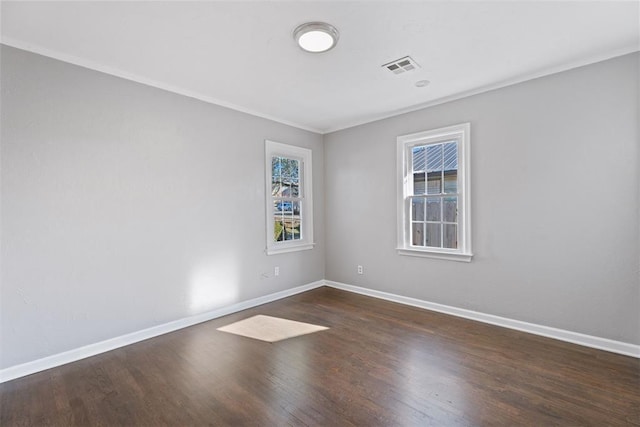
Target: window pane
<point>278,221</point>
<point>433,209</point>
<point>417,209</point>
<point>433,235</point>
<point>450,167</point>
<point>296,230</point>
<point>434,182</point>
<point>434,169</point>
<point>295,187</point>
<point>285,189</point>
<point>450,236</point>
<point>289,226</point>
<point>288,235</point>
<point>294,225</point>
<point>289,167</point>
<point>451,181</point>
<point>278,229</point>
<point>450,153</point>
<point>434,158</point>
<point>418,156</point>
<point>275,167</point>
<point>275,176</point>
<point>276,187</point>
<point>295,169</point>
<point>450,209</point>
<point>282,207</point>
<point>418,183</point>
<point>417,234</point>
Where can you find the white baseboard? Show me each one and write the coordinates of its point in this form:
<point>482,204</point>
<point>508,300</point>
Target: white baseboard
<point>49,362</point>
<point>619,347</point>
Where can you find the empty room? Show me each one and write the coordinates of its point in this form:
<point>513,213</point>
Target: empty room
<point>315,213</point>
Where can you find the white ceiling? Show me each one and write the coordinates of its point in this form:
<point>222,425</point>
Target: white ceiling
<point>242,54</point>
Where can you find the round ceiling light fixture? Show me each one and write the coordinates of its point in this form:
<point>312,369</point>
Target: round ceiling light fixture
<point>422,83</point>
<point>316,37</point>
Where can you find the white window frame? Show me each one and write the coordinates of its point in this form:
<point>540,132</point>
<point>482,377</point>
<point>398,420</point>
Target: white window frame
<point>303,155</point>
<point>462,134</point>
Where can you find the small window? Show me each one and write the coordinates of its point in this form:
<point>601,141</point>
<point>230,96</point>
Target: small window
<point>288,198</point>
<point>433,194</point>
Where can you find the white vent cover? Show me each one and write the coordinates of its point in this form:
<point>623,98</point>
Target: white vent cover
<point>401,65</point>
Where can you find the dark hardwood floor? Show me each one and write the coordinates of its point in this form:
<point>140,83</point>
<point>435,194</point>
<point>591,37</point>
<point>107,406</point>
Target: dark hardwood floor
<point>380,364</point>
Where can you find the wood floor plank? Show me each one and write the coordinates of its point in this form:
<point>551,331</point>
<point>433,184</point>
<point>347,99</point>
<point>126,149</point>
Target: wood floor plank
<point>379,364</point>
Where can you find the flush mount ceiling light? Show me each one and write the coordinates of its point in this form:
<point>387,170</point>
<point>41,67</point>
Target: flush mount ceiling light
<point>316,37</point>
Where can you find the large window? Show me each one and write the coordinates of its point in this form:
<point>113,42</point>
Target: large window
<point>288,198</point>
<point>433,194</point>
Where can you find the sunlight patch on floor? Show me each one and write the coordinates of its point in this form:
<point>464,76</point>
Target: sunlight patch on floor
<point>270,329</point>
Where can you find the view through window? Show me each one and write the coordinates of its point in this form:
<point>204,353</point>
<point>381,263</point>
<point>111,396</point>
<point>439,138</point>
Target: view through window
<point>289,201</point>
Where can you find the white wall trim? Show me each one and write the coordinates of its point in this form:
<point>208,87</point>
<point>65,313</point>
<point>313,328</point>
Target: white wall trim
<point>52,361</point>
<point>59,359</point>
<point>71,59</point>
<point>606,344</point>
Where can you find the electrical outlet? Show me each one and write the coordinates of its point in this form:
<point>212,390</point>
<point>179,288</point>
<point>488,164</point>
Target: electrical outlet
<point>276,271</point>
<point>360,270</point>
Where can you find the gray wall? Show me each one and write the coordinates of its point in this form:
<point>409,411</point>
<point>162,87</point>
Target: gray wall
<point>555,194</point>
<point>125,207</point>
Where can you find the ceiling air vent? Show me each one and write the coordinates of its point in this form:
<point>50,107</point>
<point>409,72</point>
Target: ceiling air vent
<point>401,65</point>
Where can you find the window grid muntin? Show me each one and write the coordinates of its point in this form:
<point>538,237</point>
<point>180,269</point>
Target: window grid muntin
<point>411,151</point>
<point>280,214</point>
<point>442,222</point>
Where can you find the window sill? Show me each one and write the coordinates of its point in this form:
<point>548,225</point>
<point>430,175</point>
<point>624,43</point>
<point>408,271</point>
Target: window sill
<point>289,248</point>
<point>451,256</point>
